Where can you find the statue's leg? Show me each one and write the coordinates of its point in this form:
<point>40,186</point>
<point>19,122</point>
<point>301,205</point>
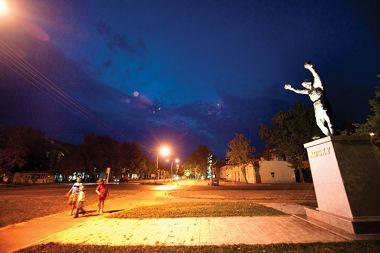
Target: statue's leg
<point>320,117</point>
<point>329,125</point>
<point>324,118</point>
<point>322,126</point>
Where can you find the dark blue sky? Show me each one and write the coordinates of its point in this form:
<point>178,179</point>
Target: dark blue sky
<point>181,72</point>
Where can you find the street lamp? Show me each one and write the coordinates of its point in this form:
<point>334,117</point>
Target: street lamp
<point>3,7</point>
<point>371,136</point>
<point>164,151</point>
<point>171,167</point>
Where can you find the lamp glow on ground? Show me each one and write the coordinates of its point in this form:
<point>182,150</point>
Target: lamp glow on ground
<point>3,7</point>
<point>165,187</point>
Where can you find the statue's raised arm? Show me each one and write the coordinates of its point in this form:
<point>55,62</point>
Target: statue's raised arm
<point>317,83</point>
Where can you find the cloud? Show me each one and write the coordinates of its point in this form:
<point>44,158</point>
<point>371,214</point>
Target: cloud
<point>117,40</point>
<point>70,103</point>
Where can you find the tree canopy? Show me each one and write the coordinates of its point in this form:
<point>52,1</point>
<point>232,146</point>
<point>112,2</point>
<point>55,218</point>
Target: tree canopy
<point>26,149</point>
<point>374,118</point>
<point>197,161</point>
<point>289,131</point>
<point>240,152</point>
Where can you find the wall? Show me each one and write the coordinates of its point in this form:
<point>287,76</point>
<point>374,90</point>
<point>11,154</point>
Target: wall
<point>282,173</point>
<point>32,178</point>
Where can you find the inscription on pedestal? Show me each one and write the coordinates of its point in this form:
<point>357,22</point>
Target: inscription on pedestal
<point>319,152</point>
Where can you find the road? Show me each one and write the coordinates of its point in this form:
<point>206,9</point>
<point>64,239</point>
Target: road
<point>21,203</point>
<point>180,189</point>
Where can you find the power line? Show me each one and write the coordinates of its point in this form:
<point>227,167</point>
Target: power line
<point>46,86</point>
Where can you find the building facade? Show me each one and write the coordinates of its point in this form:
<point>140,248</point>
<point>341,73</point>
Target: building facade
<point>271,172</point>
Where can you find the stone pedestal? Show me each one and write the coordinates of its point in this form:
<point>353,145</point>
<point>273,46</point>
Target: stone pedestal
<point>346,176</point>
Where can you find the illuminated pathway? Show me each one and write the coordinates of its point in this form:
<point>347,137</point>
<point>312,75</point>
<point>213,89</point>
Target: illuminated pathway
<point>100,230</point>
<point>195,231</point>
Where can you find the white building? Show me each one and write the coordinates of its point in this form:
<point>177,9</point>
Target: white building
<point>32,178</point>
<point>271,172</point>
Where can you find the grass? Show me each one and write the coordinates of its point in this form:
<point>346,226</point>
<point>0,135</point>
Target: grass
<point>198,209</point>
<point>349,247</point>
<point>19,203</point>
<point>18,206</point>
<point>310,204</point>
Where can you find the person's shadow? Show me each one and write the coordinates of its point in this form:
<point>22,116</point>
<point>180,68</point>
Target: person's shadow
<point>91,213</point>
<point>114,211</point>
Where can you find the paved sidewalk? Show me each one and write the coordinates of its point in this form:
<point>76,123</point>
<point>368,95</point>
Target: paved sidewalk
<point>289,208</point>
<point>99,230</point>
<point>195,231</point>
<point>23,234</point>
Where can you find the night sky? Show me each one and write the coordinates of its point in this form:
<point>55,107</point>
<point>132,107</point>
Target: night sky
<point>181,72</point>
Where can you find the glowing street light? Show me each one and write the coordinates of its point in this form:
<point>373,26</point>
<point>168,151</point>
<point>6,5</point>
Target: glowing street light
<point>371,137</point>
<point>171,167</point>
<point>164,151</point>
<point>3,7</point>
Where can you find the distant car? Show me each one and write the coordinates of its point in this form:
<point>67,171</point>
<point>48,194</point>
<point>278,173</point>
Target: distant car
<point>116,180</point>
<point>215,182</point>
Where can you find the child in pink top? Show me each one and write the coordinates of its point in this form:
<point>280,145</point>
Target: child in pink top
<point>102,191</point>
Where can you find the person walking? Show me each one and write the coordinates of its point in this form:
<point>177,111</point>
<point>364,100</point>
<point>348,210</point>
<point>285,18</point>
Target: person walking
<point>80,202</point>
<point>102,191</point>
<point>73,195</point>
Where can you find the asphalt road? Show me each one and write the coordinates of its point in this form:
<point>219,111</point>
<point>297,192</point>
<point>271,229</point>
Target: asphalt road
<point>179,189</point>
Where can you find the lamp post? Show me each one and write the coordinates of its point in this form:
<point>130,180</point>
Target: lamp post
<point>164,151</point>
<point>171,167</point>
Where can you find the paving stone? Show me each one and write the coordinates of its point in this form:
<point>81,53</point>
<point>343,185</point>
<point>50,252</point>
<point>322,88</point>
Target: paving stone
<point>196,231</point>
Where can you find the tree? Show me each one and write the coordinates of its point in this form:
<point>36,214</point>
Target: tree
<point>25,148</point>
<point>134,158</point>
<point>374,118</point>
<point>240,153</point>
<point>289,131</point>
<point>12,150</point>
<point>101,152</point>
<point>197,161</point>
<point>373,122</point>
<point>39,147</point>
<point>72,161</point>
<point>372,125</point>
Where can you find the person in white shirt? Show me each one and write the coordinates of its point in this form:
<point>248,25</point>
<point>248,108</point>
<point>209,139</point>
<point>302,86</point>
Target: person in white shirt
<point>80,202</point>
<point>73,195</point>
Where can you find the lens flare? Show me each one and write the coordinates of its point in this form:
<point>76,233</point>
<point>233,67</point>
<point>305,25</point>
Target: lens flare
<point>165,151</point>
<point>3,7</point>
